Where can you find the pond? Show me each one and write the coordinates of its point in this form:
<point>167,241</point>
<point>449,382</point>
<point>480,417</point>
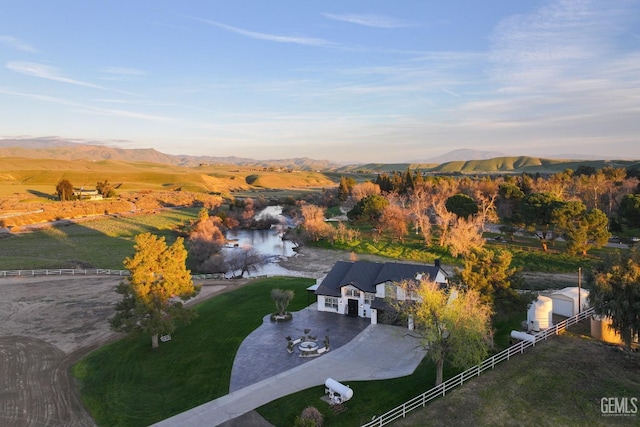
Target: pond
<point>268,243</point>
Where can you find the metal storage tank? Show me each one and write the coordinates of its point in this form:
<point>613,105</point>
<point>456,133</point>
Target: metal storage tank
<point>540,314</point>
<point>600,329</point>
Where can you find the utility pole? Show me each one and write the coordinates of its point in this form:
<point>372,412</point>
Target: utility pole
<point>579,289</point>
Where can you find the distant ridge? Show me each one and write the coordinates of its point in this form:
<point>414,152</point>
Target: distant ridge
<point>54,148</point>
<point>463,154</point>
<point>466,161</point>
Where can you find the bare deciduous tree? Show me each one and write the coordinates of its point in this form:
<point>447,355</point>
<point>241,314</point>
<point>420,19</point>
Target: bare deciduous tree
<point>364,189</point>
<point>394,221</point>
<point>419,202</point>
<point>245,260</point>
<point>314,222</point>
<point>464,236</point>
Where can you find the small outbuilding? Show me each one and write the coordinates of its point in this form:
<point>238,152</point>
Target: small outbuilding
<point>565,301</point>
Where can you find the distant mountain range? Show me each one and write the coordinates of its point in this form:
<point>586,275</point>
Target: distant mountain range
<point>51,148</point>
<point>456,161</point>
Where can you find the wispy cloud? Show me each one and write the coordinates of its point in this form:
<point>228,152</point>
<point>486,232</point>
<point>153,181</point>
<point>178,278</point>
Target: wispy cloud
<point>51,73</point>
<point>558,40</point>
<point>306,41</point>
<point>15,43</point>
<point>368,20</point>
<point>124,71</point>
<point>46,72</point>
<point>88,109</point>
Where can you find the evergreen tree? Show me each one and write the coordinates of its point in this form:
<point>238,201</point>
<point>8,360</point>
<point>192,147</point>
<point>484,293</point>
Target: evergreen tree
<point>582,229</point>
<point>64,189</point>
<point>616,294</point>
<point>488,272</point>
<point>154,291</point>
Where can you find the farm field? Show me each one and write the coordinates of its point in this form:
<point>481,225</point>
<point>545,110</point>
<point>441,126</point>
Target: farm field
<point>34,180</point>
<point>99,243</point>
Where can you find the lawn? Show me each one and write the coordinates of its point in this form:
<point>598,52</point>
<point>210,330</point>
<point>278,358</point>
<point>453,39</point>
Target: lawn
<point>101,243</point>
<point>558,382</point>
<point>129,384</point>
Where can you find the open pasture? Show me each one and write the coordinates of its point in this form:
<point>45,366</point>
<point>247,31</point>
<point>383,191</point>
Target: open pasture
<point>36,179</point>
<point>100,243</point>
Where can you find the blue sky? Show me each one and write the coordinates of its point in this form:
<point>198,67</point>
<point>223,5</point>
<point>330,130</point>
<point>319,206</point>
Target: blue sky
<point>351,81</point>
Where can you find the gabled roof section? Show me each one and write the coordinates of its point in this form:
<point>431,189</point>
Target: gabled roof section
<point>362,275</point>
<point>365,275</point>
<point>397,272</point>
<point>330,286</point>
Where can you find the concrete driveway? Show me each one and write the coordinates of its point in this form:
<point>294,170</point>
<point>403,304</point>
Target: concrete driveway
<point>375,352</point>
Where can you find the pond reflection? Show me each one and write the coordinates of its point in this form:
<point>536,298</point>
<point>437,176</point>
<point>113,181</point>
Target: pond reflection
<point>268,243</point>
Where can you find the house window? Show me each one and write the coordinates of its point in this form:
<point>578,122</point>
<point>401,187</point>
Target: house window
<point>354,293</point>
<point>330,302</point>
<point>368,298</point>
<point>390,291</point>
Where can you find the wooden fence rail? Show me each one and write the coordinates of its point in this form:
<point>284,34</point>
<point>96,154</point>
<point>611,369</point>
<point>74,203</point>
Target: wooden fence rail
<point>442,389</point>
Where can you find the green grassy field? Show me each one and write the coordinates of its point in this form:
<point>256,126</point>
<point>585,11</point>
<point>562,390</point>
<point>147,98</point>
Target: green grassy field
<point>126,383</point>
<point>559,382</point>
<point>527,253</point>
<point>102,243</point>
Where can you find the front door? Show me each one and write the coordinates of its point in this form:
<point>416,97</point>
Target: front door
<point>352,307</point>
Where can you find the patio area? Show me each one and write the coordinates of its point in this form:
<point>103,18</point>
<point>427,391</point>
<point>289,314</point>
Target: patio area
<point>264,354</point>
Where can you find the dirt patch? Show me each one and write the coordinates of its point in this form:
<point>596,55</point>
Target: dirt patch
<point>46,325</point>
<point>319,261</point>
<point>537,281</point>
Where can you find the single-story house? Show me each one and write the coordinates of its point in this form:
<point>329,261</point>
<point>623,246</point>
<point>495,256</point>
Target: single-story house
<point>82,194</point>
<point>565,301</point>
<point>359,289</point>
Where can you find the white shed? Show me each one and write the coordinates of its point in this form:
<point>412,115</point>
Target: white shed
<point>565,301</point>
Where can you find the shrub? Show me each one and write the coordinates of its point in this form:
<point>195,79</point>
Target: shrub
<point>250,179</point>
<point>310,417</point>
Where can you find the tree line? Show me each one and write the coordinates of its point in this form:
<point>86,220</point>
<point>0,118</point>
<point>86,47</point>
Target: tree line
<point>581,207</point>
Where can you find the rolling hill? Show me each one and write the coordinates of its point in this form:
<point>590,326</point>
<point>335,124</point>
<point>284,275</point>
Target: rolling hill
<point>52,148</point>
<point>40,176</point>
<point>462,161</point>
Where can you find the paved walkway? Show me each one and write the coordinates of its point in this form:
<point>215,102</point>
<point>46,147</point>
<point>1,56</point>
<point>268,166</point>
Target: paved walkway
<point>377,352</point>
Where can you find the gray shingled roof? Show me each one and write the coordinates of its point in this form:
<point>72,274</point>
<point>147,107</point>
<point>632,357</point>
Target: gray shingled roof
<point>366,275</point>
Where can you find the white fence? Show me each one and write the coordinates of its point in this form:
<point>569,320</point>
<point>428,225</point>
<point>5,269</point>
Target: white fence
<point>442,389</point>
<point>104,272</point>
<point>85,272</point>
<point>63,272</point>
